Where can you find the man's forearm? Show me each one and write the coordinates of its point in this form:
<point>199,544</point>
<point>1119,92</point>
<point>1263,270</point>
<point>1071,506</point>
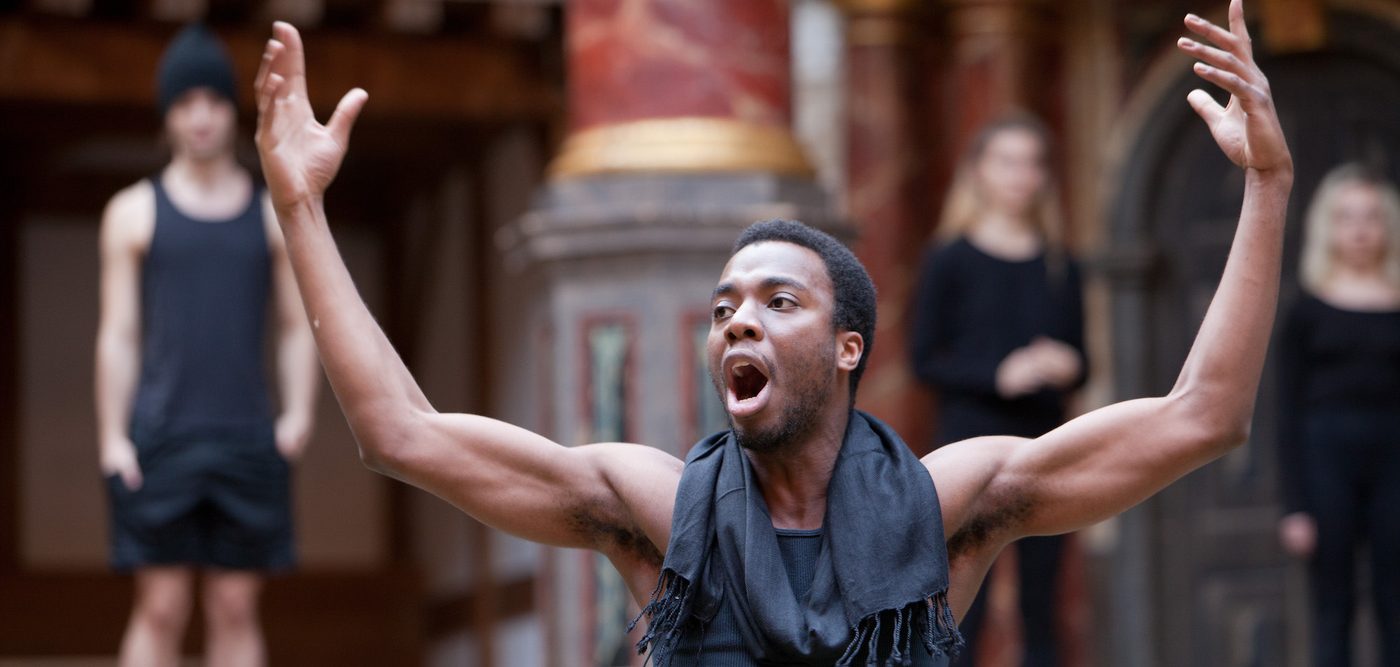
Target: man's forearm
<point>118,359</point>
<point>296,369</point>
<point>372,384</point>
<point>1227,358</point>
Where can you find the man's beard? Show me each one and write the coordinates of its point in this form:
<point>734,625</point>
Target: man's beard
<point>798,420</point>
<point>800,416</point>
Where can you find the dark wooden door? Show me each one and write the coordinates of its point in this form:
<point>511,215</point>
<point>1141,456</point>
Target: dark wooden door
<point>1203,579</point>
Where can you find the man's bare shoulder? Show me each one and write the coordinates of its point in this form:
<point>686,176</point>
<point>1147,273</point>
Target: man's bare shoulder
<point>975,501</point>
<point>981,508</point>
<point>645,479</point>
<point>130,215</point>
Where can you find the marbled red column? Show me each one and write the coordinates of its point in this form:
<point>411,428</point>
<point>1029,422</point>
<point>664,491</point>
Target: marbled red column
<point>885,165</point>
<point>679,137</point>
<point>999,59</point>
<point>635,60</point>
<point>1001,55</point>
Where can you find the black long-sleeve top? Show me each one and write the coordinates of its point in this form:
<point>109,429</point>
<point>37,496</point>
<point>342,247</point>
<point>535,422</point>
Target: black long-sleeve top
<point>1329,358</point>
<point>971,310</point>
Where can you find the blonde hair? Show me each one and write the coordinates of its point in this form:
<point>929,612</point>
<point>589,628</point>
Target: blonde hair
<point>1315,263</point>
<point>964,204</point>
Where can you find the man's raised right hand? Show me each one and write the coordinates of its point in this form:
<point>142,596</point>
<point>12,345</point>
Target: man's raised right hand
<point>300,156</point>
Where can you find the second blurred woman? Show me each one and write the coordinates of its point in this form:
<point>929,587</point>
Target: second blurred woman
<point>1338,355</point>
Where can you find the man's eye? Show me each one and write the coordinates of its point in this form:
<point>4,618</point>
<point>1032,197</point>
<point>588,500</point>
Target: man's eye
<point>722,312</point>
<point>781,302</point>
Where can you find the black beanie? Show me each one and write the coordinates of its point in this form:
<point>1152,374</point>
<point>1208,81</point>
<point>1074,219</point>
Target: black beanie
<point>194,58</point>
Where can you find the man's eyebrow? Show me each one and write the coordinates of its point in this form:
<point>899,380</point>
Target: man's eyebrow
<point>773,282</point>
<point>769,283</point>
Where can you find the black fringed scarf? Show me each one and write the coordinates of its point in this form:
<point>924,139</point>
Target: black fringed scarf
<point>881,579</point>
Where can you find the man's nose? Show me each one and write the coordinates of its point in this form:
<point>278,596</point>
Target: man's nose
<point>743,324</point>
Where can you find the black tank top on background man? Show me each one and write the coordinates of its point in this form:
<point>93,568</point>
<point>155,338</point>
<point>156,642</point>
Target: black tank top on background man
<point>204,297</point>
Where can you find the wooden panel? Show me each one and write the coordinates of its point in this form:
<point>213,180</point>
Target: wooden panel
<point>83,62</point>
<point>11,185</point>
<point>465,611</point>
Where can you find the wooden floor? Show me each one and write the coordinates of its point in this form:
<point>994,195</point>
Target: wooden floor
<point>309,619</point>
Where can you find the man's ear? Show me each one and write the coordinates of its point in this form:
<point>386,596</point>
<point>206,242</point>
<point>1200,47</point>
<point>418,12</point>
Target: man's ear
<point>849,348</point>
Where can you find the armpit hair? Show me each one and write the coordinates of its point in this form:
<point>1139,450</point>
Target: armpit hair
<point>1002,511</point>
<point>609,535</point>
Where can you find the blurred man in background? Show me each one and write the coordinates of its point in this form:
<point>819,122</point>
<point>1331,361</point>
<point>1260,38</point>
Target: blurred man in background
<point>195,463</point>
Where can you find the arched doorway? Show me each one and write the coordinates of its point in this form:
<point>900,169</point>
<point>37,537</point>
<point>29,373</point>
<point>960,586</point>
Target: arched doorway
<point>1200,578</point>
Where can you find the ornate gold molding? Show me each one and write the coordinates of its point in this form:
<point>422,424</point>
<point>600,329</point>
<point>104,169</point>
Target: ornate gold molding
<point>684,144</point>
<point>1293,25</point>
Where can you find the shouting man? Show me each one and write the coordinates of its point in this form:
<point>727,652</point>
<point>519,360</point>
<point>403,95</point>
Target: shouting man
<point>807,534</point>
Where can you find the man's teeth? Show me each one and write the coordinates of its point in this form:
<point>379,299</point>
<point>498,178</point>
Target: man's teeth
<point>742,370</point>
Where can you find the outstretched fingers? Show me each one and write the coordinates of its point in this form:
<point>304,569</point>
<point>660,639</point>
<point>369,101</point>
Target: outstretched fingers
<point>1205,106</point>
<point>1228,40</point>
<point>1229,64</point>
<point>1241,89</point>
<point>293,62</point>
<point>281,80</point>
<point>270,53</point>
<point>1237,24</point>
<point>1212,56</point>
<point>1247,128</point>
<point>260,90</point>
<point>267,103</point>
<point>343,119</point>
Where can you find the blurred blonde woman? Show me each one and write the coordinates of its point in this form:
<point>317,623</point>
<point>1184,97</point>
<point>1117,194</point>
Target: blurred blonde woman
<point>1339,408</point>
<point>998,329</point>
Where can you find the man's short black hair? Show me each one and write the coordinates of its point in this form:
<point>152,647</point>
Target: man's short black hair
<point>853,292</point>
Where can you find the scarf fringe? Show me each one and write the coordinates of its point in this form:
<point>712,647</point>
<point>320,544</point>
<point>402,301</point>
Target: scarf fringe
<point>931,617</point>
<point>949,640</point>
<point>666,613</point>
<point>937,629</point>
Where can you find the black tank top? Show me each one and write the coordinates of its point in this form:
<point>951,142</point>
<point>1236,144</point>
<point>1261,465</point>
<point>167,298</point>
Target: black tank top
<point>719,644</point>
<point>204,299</point>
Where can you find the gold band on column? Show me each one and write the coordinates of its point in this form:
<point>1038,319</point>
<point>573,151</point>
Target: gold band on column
<point>685,144</point>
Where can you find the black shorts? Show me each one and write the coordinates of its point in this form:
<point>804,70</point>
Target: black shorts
<point>221,502</point>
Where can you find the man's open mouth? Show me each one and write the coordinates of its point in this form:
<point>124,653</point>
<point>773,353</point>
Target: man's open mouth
<point>747,384</point>
<point>748,381</point>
